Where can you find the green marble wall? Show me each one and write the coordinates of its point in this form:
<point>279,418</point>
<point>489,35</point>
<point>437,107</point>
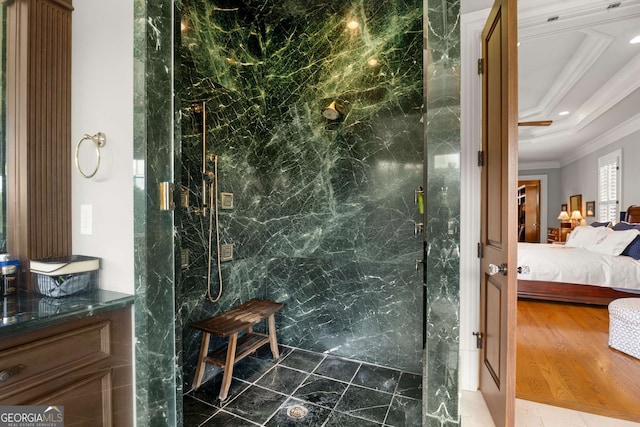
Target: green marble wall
<point>324,211</point>
<point>442,244</point>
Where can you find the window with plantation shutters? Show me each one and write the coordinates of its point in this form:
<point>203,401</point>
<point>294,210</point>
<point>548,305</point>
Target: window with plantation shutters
<point>609,172</point>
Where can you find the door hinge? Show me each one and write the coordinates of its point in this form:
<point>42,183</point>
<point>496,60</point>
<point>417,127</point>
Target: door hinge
<point>478,336</point>
<point>480,158</point>
<point>479,250</point>
<point>480,65</point>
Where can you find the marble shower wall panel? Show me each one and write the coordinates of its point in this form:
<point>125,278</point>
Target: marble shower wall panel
<point>366,311</point>
<point>441,250</point>
<point>158,382</point>
<point>323,214</point>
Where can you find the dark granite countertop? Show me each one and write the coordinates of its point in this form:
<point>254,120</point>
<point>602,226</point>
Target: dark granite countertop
<point>30,311</point>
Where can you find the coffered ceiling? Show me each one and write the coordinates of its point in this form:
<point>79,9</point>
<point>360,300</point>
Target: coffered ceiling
<point>575,56</point>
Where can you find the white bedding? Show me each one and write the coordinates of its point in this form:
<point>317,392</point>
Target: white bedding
<point>559,263</point>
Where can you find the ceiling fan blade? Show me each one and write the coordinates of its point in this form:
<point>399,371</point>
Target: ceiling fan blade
<point>536,123</point>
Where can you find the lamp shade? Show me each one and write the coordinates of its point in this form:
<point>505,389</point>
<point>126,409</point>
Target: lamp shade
<point>564,216</point>
<point>576,215</point>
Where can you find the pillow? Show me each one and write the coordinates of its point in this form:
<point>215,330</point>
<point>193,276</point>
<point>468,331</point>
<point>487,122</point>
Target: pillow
<point>614,242</point>
<point>601,224</point>
<point>633,250</point>
<point>585,235</point>
<point>625,226</point>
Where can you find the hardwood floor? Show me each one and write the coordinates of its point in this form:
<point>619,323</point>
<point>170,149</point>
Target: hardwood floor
<point>563,359</point>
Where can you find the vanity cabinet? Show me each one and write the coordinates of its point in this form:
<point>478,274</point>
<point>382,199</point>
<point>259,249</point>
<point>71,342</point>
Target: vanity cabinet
<point>84,365</point>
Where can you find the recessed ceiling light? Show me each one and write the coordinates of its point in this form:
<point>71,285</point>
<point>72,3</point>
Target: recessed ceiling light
<point>563,113</point>
<point>353,24</point>
<point>635,40</point>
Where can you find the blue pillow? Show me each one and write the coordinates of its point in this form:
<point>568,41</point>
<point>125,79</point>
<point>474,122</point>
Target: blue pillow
<point>625,226</point>
<point>633,250</point>
<point>601,224</point>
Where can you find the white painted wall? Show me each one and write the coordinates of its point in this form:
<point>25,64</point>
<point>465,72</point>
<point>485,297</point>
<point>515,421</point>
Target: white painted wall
<point>102,101</point>
<point>581,176</point>
<point>471,142</point>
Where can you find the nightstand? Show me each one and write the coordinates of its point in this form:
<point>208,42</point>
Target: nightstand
<point>557,235</point>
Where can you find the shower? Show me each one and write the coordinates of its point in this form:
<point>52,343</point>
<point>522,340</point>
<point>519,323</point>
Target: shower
<point>326,148</point>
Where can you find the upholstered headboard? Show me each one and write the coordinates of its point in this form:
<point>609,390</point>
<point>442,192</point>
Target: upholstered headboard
<point>633,214</point>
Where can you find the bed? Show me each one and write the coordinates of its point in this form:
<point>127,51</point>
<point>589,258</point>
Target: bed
<point>577,275</point>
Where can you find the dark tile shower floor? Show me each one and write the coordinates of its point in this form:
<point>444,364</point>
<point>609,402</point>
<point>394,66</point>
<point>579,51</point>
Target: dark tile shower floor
<point>326,390</point>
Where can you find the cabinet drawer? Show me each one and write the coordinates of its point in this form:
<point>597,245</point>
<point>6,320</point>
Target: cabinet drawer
<point>36,362</point>
<point>87,401</point>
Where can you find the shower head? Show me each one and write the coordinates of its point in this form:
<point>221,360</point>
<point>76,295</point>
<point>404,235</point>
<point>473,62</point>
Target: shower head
<point>334,111</point>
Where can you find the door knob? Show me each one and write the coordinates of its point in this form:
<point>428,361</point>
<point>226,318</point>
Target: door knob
<point>493,269</point>
<point>524,270</point>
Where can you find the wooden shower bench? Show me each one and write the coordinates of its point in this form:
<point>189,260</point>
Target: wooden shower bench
<point>229,324</point>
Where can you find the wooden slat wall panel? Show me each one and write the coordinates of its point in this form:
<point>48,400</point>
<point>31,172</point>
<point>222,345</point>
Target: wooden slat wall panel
<point>50,123</point>
<point>42,159</point>
<point>17,105</point>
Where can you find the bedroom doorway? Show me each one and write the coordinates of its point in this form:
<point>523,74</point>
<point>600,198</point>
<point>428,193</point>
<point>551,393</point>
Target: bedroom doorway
<point>549,210</point>
<point>529,211</point>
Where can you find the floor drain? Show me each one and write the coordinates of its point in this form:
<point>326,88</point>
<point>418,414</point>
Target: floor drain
<point>297,412</point>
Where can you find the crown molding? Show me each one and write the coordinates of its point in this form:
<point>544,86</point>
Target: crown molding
<point>535,13</point>
<point>572,15</point>
<point>618,87</point>
<point>529,166</point>
<point>624,129</point>
<point>591,48</point>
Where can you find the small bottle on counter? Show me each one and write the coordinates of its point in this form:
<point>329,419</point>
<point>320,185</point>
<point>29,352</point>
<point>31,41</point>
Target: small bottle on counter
<point>9,275</point>
<point>10,310</point>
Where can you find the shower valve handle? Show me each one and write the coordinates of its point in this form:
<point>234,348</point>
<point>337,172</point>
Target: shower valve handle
<point>208,177</point>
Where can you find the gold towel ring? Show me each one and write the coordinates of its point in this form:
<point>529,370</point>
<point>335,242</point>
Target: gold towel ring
<point>99,140</point>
